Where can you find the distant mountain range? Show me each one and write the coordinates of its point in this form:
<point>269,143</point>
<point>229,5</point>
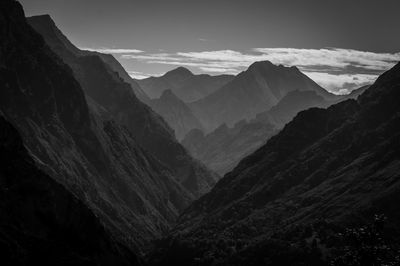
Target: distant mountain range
<point>326,169</point>
<point>224,147</point>
<point>251,92</point>
<point>183,83</point>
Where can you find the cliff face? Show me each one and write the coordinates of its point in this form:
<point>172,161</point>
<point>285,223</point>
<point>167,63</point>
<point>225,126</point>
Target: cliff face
<point>326,168</point>
<point>103,84</point>
<point>42,223</point>
<point>81,146</point>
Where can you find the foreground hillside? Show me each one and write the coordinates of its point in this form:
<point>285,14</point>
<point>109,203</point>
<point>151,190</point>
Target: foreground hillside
<point>80,147</point>
<point>42,223</point>
<point>326,169</point>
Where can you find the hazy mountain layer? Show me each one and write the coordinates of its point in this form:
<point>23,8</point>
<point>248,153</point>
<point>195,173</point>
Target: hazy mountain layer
<point>251,92</point>
<point>176,113</point>
<point>222,149</point>
<point>187,86</point>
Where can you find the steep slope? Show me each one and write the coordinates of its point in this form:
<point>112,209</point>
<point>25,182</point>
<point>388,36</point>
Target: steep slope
<point>107,89</point>
<point>133,195</point>
<point>41,222</point>
<point>184,84</point>
<point>355,93</point>
<point>251,92</point>
<point>222,149</point>
<point>292,103</point>
<point>326,168</point>
<point>176,113</point>
<point>46,27</point>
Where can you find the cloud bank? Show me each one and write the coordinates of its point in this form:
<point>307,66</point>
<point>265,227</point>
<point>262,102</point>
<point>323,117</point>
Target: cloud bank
<point>113,50</point>
<point>337,70</point>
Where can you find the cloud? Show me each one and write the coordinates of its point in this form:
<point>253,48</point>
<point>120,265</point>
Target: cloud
<point>113,50</point>
<point>141,75</point>
<point>335,69</point>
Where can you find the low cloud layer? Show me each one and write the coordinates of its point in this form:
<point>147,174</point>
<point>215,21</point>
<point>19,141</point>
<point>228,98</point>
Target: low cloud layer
<point>337,70</point>
<point>113,50</point>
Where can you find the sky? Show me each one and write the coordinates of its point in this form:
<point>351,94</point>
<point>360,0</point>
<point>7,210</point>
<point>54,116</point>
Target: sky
<point>340,44</point>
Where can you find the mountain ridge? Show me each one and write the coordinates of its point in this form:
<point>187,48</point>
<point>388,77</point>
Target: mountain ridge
<point>186,85</point>
<point>251,92</point>
<point>102,84</point>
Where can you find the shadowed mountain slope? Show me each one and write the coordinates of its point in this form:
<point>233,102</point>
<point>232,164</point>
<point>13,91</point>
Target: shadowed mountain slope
<point>80,146</point>
<point>42,223</point>
<point>326,168</point>
<point>102,84</point>
<point>47,28</point>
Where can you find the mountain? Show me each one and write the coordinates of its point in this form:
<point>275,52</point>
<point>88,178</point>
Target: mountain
<point>355,93</point>
<point>251,92</point>
<point>223,148</point>
<point>57,40</point>
<point>176,113</point>
<point>78,144</point>
<point>105,87</point>
<point>285,203</point>
<point>187,86</point>
<point>292,103</point>
<point>42,223</point>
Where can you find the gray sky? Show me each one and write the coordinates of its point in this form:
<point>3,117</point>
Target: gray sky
<point>340,44</point>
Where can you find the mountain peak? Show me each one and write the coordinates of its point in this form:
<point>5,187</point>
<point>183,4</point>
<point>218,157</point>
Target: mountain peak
<point>261,64</point>
<point>269,65</point>
<point>181,72</point>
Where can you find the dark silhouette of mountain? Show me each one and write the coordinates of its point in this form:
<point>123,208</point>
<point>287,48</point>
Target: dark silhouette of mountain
<point>59,43</point>
<point>251,92</point>
<point>102,84</point>
<point>176,113</point>
<point>326,169</point>
<point>223,148</point>
<point>42,223</point>
<point>79,145</point>
<point>187,86</point>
